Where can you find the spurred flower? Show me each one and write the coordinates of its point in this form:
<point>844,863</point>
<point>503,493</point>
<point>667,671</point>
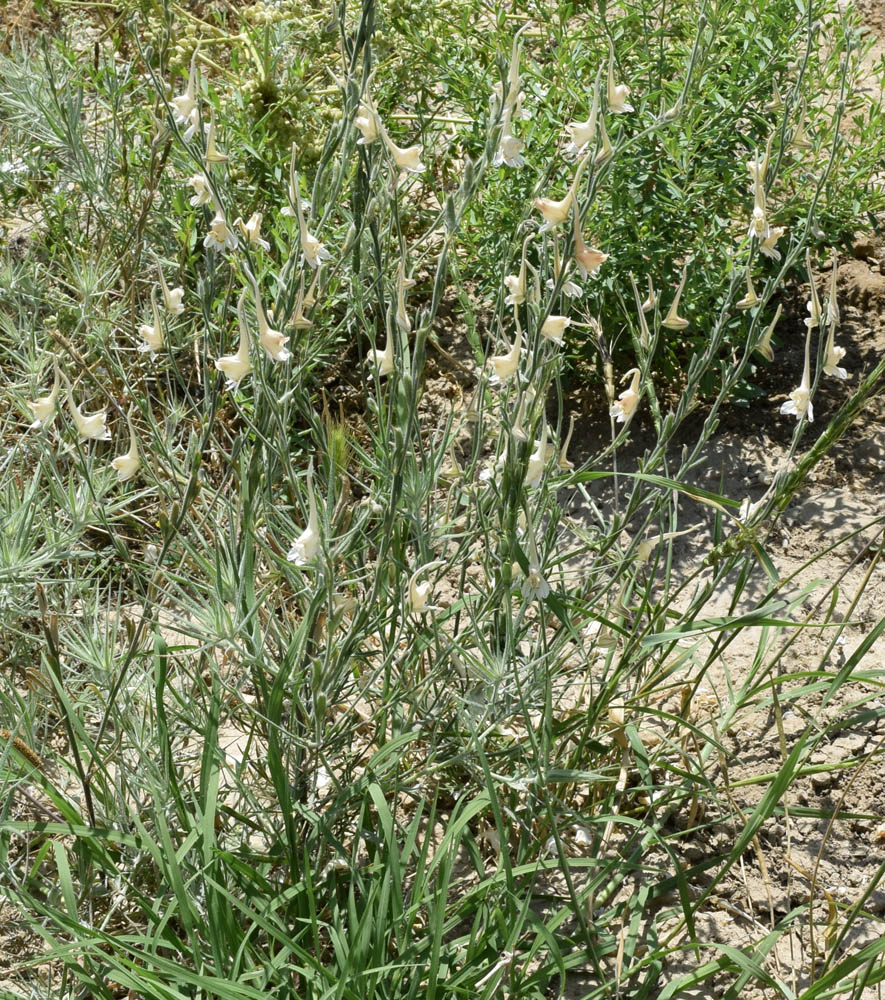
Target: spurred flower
<point>799,403</point>
<point>406,158</point>
<point>554,327</point>
<point>641,309</point>
<point>273,341</point>
<point>186,112</point>
<point>44,408</point>
<point>538,458</point>
<point>509,152</point>
<point>556,212</point>
<point>589,260</point>
<point>127,465</point>
<point>213,154</point>
<point>306,546</point>
<point>251,231</point>
<point>813,305</point>
<point>617,95</point>
<point>764,346</point>
<point>314,251</point>
<point>383,360</point>
<point>751,299</point>
<point>171,296</point>
<point>402,284</point>
<point>584,133</point>
<point>767,246</point>
<point>516,283</point>
<point>507,364</point>
<point>152,333</point>
<point>220,237</point>
<point>92,426</point>
<point>419,592</point>
<point>673,321</point>
<point>202,191</point>
<point>367,121</point>
<point>562,462</point>
<point>625,406</point>
<point>237,366</point>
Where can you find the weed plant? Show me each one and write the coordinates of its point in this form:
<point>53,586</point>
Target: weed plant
<point>313,686</point>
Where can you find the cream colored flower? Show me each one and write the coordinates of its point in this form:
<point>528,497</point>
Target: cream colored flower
<point>127,465</point>
<point>507,364</point>
<point>367,122</point>
<point>314,251</point>
<point>764,346</point>
<point>538,458</point>
<point>171,296</point>
<point>649,303</point>
<point>419,592</point>
<point>799,403</point>
<point>237,366</point>
<point>383,360</point>
<point>512,100</point>
<point>606,149</point>
<point>299,320</point>
<point>273,341</point>
<point>402,283</point>
<point>213,154</point>
<point>767,246</point>
<point>556,212</point>
<point>832,317</point>
<point>220,237</point>
<point>562,462</point>
<point>800,138</point>
<point>644,335</point>
<point>306,546</point>
<point>251,231</point>
<point>673,321</point>
<point>406,158</point>
<point>584,133</point>
<point>554,327</point>
<point>751,299</point>
<point>628,400</point>
<point>186,112</point>
<point>92,426</point>
<point>617,95</point>
<point>813,305</point>
<point>589,260</point>
<point>44,408</point>
<point>152,333</point>
<point>202,191</point>
<point>516,283</point>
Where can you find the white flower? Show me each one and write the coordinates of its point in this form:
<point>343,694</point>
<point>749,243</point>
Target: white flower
<point>759,228</point>
<point>583,133</point>
<point>314,251</point>
<point>538,458</point>
<point>186,113</point>
<point>220,237</point>
<point>751,299</point>
<point>171,296</point>
<point>800,138</point>
<point>649,303</point>
<point>628,400</point>
<point>606,150</point>
<point>516,283</point>
<point>251,231</point>
<point>673,321</point>
<point>305,547</point>
<point>273,341</point>
<point>202,191</point>
<point>644,335</point>
<point>237,366</point>
<point>383,360</point>
<point>152,333</point>
<point>299,320</point>
<point>213,155</point>
<point>506,364</point>
<point>406,158</point>
<point>617,96</point>
<point>367,123</point>
<point>517,430</point>
<point>747,510</point>
<point>764,346</point>
<point>813,305</point>
<point>91,426</point>
<point>509,151</point>
<point>767,245</point>
<point>535,587</point>
<point>44,408</point>
<point>402,283</point>
<point>589,260</point>
<point>127,465</point>
<point>554,327</point>
<point>799,403</point>
<point>562,461</point>
<point>834,355</point>
<point>556,212</point>
<point>514,96</point>
<point>419,592</point>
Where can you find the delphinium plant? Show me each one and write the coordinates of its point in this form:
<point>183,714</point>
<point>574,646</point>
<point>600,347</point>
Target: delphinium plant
<point>345,701</point>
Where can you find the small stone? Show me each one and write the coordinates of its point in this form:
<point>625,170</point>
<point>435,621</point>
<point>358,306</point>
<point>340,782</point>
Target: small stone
<point>821,781</point>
